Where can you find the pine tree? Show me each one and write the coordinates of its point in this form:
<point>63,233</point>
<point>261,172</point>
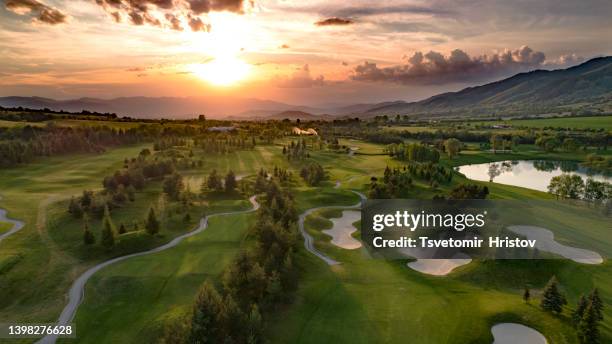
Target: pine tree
<point>578,313</point>
<point>598,305</point>
<point>152,225</point>
<point>75,209</point>
<point>122,229</point>
<point>526,295</point>
<point>108,230</point>
<point>187,218</point>
<point>204,322</point>
<point>230,181</point>
<point>254,326</point>
<point>588,331</point>
<point>552,299</point>
<point>88,236</point>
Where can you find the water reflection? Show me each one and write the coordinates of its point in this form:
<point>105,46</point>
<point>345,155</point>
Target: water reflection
<point>533,174</point>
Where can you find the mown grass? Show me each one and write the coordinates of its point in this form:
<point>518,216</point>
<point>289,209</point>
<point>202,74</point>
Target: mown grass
<point>368,300</point>
<point>592,122</point>
<point>363,300</point>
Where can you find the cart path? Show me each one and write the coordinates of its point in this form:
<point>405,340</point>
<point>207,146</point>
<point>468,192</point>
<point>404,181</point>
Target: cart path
<point>308,239</point>
<point>77,290</point>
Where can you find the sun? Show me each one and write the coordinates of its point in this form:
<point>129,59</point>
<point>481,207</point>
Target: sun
<point>221,71</point>
<point>225,43</point>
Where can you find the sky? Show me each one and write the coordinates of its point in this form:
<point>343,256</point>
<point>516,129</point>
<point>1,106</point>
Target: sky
<point>317,53</point>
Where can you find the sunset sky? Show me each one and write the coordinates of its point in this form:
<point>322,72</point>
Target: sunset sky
<point>300,52</point>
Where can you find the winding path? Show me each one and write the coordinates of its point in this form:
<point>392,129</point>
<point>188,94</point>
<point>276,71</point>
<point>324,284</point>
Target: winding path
<point>17,225</point>
<point>77,290</point>
<point>309,240</point>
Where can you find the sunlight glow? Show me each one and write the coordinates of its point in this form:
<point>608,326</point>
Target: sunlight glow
<point>224,44</point>
<point>223,71</point>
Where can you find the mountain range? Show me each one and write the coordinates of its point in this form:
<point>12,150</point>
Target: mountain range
<point>587,84</point>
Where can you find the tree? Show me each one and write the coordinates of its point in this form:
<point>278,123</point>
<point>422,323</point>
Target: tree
<point>122,229</point>
<point>173,185</point>
<point>254,326</point>
<point>578,313</point>
<point>230,181</point>
<point>566,186</point>
<point>552,299</point>
<point>88,236</point>
<point>526,295</point>
<point>598,305</point>
<point>570,144</point>
<point>496,142</point>
<point>588,331</point>
<point>152,225</point>
<point>75,209</point>
<point>187,218</point>
<point>108,230</point>
<point>214,182</point>
<point>204,322</point>
<point>596,191</point>
<point>452,147</point>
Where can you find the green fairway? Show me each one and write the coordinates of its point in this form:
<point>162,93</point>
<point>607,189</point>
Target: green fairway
<point>365,299</point>
<point>5,227</point>
<point>32,254</point>
<point>136,297</point>
<point>594,122</point>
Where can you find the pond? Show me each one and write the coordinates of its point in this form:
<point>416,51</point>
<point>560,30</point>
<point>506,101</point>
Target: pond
<point>532,174</point>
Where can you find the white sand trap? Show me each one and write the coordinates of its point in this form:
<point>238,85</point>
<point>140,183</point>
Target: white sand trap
<point>343,228</point>
<point>436,267</point>
<point>510,333</point>
<point>352,150</point>
<point>439,267</point>
<point>545,241</point>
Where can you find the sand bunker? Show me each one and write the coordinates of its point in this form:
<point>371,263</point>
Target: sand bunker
<point>431,266</point>
<point>510,333</point>
<point>439,267</point>
<point>343,228</point>
<point>352,150</point>
<point>545,241</point>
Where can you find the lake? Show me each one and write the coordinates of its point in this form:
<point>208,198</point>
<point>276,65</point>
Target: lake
<point>532,174</point>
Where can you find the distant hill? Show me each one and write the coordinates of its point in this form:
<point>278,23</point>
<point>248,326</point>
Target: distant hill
<point>294,115</point>
<point>586,85</point>
<point>589,82</point>
<point>157,107</point>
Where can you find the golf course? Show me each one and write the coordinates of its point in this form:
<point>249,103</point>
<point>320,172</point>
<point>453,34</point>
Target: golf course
<point>133,290</point>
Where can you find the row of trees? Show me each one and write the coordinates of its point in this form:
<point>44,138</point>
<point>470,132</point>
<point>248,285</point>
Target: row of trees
<point>21,145</point>
<point>414,152</point>
<point>572,186</point>
<point>255,283</point>
<point>122,185</point>
<point>313,174</point>
<point>224,143</point>
<point>296,150</point>
<point>585,317</point>
<point>109,230</point>
<point>217,183</point>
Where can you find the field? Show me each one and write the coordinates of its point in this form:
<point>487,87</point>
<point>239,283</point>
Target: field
<point>361,300</point>
<point>594,122</point>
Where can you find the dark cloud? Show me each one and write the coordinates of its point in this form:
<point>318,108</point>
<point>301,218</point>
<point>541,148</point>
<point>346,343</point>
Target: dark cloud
<point>196,24</point>
<point>400,9</point>
<point>334,21</point>
<point>173,14</point>
<point>301,78</point>
<point>175,23</point>
<point>434,68</point>
<point>41,12</point>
